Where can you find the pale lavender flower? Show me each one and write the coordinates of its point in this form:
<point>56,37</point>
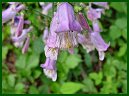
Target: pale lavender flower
<point>26,45</point>
<point>11,12</point>
<point>94,14</point>
<point>102,4</point>
<point>99,44</point>
<point>18,41</point>
<point>20,25</point>
<point>46,8</point>
<point>49,68</point>
<point>67,27</point>
<point>86,42</point>
<point>45,34</point>
<point>50,52</point>
<point>96,26</point>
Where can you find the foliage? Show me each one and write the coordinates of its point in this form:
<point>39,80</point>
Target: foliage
<point>77,73</point>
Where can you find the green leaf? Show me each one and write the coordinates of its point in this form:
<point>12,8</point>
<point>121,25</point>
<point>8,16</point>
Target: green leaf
<point>122,50</point>
<point>71,87</point>
<point>38,46</point>
<point>33,90</point>
<point>119,6</point>
<point>124,33</point>
<point>121,23</point>
<point>72,61</point>
<point>37,73</point>
<point>89,86</point>
<point>21,62</point>
<point>19,88</point>
<point>33,61</point>
<point>115,32</point>
<point>4,52</point>
<point>11,80</point>
<point>97,77</point>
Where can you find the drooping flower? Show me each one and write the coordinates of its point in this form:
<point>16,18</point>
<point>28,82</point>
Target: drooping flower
<point>49,68</point>
<point>67,27</point>
<point>50,52</point>
<point>94,14</point>
<point>86,42</point>
<point>99,44</point>
<point>20,26</point>
<point>18,41</point>
<point>11,12</point>
<point>93,39</point>
<point>26,45</point>
<point>46,8</point>
<point>45,34</point>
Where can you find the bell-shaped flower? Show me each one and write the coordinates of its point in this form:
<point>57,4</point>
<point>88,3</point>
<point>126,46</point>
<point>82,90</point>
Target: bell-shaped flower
<point>11,12</point>
<point>46,8</point>
<point>99,44</point>
<point>86,42</point>
<point>94,14</point>
<point>66,19</point>
<point>20,25</point>
<point>26,45</point>
<point>50,52</point>
<point>49,68</point>
<point>65,27</point>
<point>18,41</point>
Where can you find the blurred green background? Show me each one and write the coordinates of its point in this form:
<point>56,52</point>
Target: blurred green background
<point>77,73</point>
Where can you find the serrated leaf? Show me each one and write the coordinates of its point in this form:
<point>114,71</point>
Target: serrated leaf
<point>115,32</point>
<point>71,87</point>
<point>33,61</point>
<point>89,86</point>
<point>122,50</point>
<point>19,88</point>
<point>97,77</point>
<point>72,61</point>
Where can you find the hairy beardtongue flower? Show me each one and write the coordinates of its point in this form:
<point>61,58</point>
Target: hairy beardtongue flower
<point>11,12</point>
<point>49,68</point>
<point>93,39</point>
<point>67,27</point>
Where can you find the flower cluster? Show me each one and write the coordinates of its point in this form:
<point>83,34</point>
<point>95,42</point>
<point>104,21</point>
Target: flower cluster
<point>19,34</point>
<point>93,39</point>
<point>66,32</point>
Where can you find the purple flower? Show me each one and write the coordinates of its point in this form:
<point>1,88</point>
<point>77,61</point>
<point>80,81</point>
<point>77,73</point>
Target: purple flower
<point>49,68</point>
<point>99,44</point>
<point>20,25</point>
<point>45,34</point>
<point>96,27</point>
<point>94,14</point>
<point>18,41</point>
<point>46,8</point>
<point>65,27</point>
<point>83,22</point>
<point>66,19</point>
<point>86,42</point>
<point>50,52</point>
<point>11,12</point>
<point>102,4</point>
<point>26,45</point>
